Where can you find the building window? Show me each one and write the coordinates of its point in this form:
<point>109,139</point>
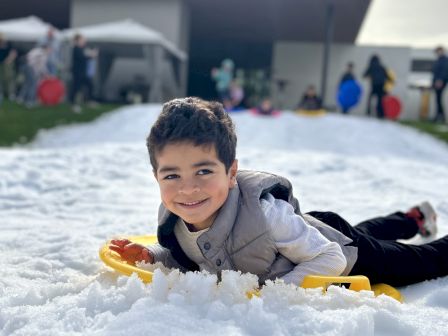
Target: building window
<point>422,65</point>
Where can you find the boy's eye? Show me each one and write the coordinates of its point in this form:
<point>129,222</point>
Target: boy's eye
<point>171,177</point>
<point>204,172</point>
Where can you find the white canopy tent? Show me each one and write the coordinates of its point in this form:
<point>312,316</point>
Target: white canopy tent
<point>130,39</point>
<point>27,29</point>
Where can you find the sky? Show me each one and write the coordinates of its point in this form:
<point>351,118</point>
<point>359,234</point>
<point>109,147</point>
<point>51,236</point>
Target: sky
<point>75,187</point>
<point>418,23</point>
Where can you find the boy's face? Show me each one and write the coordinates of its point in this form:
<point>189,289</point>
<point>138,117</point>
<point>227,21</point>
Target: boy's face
<point>193,182</point>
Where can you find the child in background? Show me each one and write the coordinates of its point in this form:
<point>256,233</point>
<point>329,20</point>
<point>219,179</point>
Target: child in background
<point>265,108</point>
<point>310,100</point>
<point>348,75</point>
<point>223,77</point>
<point>236,93</point>
<point>349,90</point>
<point>215,217</point>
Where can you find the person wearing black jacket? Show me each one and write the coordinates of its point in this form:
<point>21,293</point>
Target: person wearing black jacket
<point>439,80</point>
<point>80,80</point>
<point>378,76</point>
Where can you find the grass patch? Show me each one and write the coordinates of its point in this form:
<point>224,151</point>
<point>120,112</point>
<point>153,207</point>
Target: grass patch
<point>19,125</point>
<point>439,131</point>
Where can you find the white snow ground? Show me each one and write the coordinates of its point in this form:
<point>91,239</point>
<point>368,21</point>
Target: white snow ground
<point>77,186</point>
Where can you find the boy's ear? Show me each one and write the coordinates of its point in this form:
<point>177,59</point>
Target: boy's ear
<point>233,170</point>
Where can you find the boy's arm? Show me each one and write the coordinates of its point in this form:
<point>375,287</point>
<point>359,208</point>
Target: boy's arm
<point>133,253</point>
<point>301,243</point>
<point>164,256</point>
<point>330,262</point>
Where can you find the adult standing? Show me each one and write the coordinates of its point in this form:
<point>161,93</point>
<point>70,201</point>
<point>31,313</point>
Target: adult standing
<point>377,74</point>
<point>7,80</point>
<point>80,80</point>
<point>439,80</point>
<point>54,58</point>
<point>35,69</point>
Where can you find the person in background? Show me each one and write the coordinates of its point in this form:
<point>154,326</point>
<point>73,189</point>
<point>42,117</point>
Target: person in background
<point>223,77</point>
<point>80,81</point>
<point>310,100</point>
<point>350,89</point>
<point>439,80</point>
<point>236,93</point>
<point>91,71</point>
<point>54,58</point>
<point>348,75</point>
<point>35,69</point>
<point>377,74</point>
<point>265,107</point>
<point>7,71</point>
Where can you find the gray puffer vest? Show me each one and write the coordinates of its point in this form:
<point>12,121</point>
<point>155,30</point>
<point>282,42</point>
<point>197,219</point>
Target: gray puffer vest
<point>240,237</point>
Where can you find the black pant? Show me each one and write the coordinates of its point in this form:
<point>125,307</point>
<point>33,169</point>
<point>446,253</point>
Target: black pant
<point>378,91</point>
<point>79,83</point>
<point>440,111</point>
<point>381,258</point>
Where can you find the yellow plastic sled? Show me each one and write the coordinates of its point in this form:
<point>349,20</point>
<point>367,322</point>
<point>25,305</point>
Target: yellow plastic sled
<point>354,282</point>
<point>311,113</point>
<point>113,259</point>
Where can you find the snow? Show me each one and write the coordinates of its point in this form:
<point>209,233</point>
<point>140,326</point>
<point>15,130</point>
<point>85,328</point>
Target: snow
<point>76,186</point>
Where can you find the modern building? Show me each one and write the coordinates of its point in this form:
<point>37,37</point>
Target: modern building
<point>285,45</point>
<point>248,31</point>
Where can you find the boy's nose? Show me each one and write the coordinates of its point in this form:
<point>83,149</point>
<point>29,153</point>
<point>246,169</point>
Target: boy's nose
<point>189,188</point>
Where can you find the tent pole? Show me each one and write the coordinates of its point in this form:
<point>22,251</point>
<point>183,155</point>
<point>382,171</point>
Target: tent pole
<point>154,55</point>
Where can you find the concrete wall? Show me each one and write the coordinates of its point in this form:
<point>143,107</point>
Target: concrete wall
<point>169,17</point>
<point>300,64</point>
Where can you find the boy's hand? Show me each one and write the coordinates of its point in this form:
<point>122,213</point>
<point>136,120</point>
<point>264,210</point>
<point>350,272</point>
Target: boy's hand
<point>131,252</point>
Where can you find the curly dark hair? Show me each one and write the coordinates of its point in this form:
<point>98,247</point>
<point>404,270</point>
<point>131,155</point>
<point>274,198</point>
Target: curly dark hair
<point>197,121</point>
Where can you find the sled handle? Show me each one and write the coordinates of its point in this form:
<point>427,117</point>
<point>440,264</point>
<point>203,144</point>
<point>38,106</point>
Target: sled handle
<point>353,282</point>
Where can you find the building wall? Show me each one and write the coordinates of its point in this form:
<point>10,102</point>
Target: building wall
<point>169,17</point>
<point>300,64</point>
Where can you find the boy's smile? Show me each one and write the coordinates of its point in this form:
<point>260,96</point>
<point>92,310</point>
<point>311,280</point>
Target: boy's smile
<point>193,182</point>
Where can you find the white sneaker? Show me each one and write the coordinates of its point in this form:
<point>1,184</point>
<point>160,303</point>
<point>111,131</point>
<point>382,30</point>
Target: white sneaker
<point>429,225</point>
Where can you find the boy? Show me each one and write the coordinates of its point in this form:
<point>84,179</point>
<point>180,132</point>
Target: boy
<point>310,100</point>
<point>214,217</point>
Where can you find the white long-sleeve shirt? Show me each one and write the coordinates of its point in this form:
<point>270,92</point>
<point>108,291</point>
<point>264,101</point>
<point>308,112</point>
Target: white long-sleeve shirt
<point>37,60</point>
<point>301,243</point>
